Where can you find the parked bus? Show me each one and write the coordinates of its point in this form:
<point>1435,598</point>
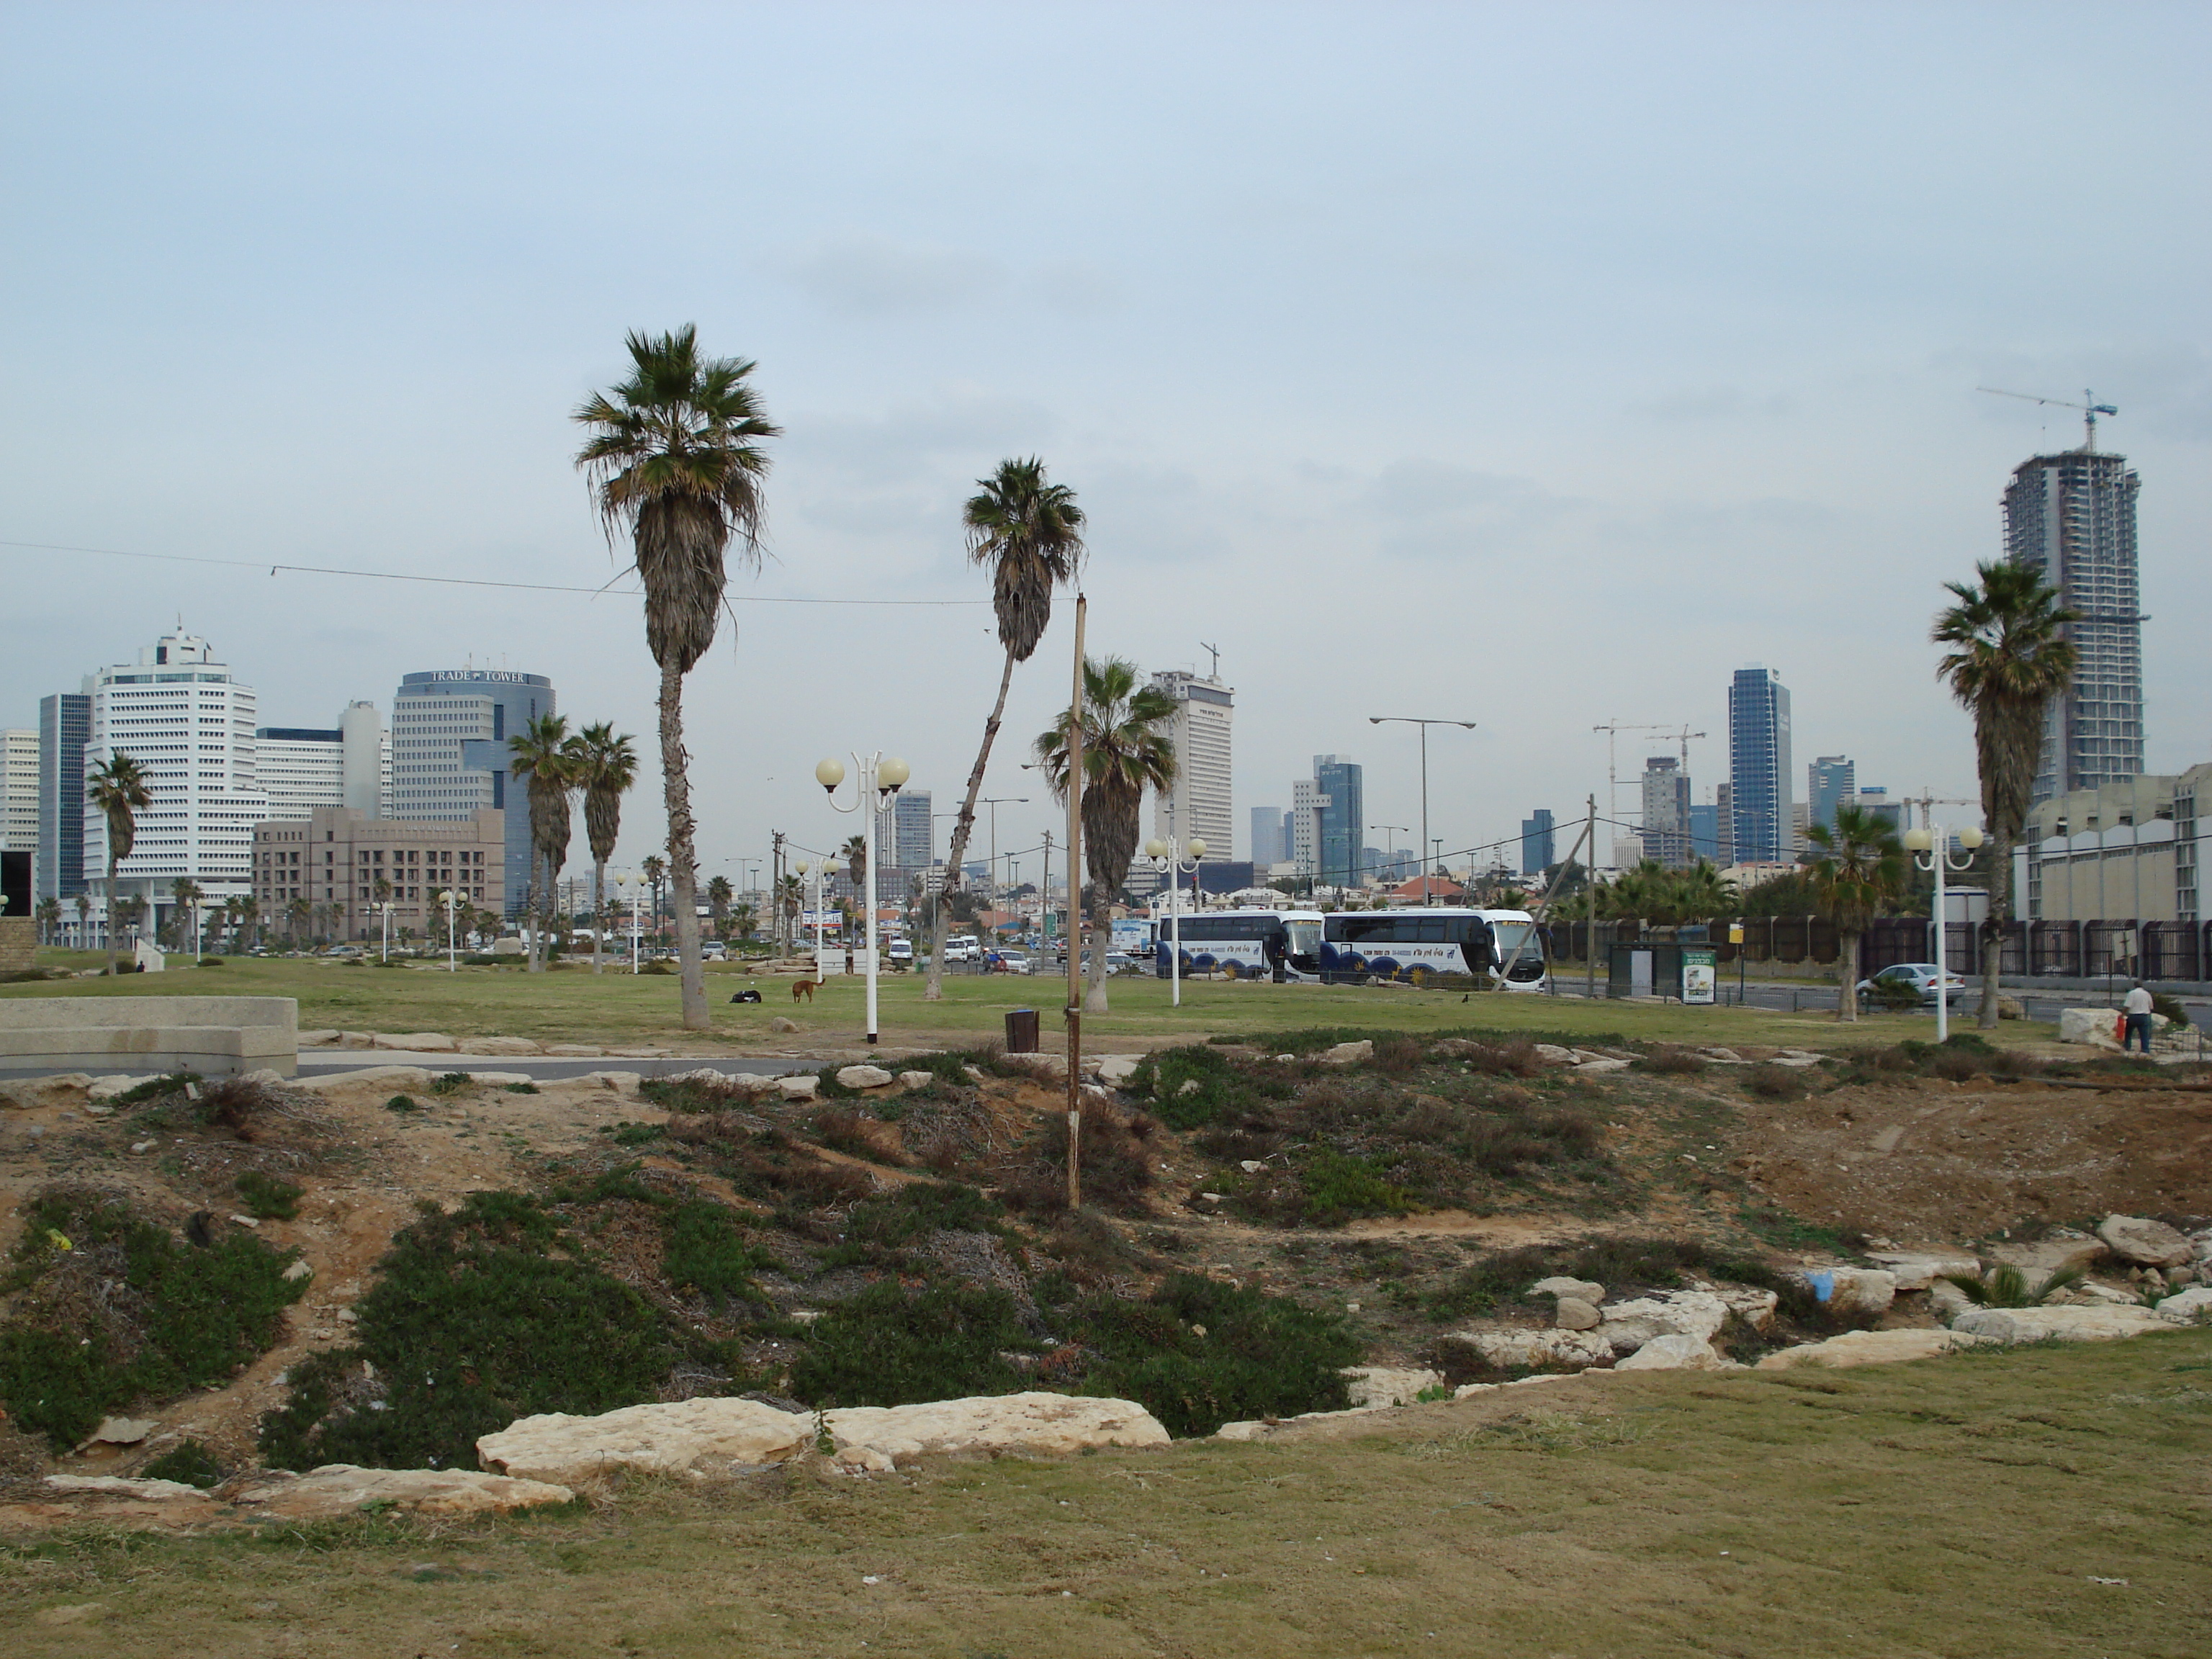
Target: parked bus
<point>1418,947</point>
<point>1283,945</point>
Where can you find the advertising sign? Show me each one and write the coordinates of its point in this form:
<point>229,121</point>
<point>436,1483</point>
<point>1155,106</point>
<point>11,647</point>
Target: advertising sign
<point>1700,971</point>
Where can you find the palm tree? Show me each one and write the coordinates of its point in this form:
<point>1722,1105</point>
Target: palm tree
<point>606,769</point>
<point>83,919</point>
<point>542,755</point>
<point>300,917</point>
<point>2011,656</point>
<point>854,852</point>
<point>675,458</point>
<point>188,895</point>
<point>656,872</point>
<point>719,892</point>
<point>745,920</point>
<point>1126,751</point>
<point>791,900</point>
<point>1029,533</point>
<point>49,915</point>
<point>247,921</point>
<point>117,787</point>
<point>1859,869</point>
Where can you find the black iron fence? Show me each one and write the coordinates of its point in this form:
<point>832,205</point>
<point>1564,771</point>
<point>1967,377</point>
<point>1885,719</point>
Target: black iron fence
<point>2059,950</point>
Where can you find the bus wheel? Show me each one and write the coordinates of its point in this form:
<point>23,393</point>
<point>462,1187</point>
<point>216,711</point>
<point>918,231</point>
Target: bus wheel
<point>1418,978</point>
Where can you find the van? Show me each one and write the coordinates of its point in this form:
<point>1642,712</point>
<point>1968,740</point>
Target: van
<point>965,947</point>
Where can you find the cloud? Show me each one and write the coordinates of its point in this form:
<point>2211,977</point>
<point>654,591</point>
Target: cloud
<point>1441,509</point>
<point>1715,403</point>
<point>857,275</point>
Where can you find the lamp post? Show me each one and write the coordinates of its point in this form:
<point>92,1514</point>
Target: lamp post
<point>880,779</point>
<point>821,869</point>
<point>452,900</point>
<point>1166,855</point>
<point>1930,847</point>
<point>384,953</point>
<point>1425,724</point>
<point>994,802</point>
<point>624,882</point>
<point>1401,829</point>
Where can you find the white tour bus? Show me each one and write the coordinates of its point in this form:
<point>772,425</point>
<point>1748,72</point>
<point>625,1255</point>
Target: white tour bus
<point>1418,945</point>
<point>1283,945</point>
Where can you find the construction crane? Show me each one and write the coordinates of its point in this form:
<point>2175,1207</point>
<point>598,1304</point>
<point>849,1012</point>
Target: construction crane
<point>2089,406</point>
<point>1612,729</point>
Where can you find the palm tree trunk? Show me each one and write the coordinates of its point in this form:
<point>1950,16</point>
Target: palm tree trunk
<point>961,828</point>
<point>1847,993</point>
<point>111,862</point>
<point>598,912</point>
<point>682,871</point>
<point>1993,929</point>
<point>1102,932</point>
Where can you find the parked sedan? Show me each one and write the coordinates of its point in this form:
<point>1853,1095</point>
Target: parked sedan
<point>1015,962</point>
<point>1918,976</point>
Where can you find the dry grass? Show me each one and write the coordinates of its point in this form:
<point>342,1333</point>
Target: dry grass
<point>1967,1506</point>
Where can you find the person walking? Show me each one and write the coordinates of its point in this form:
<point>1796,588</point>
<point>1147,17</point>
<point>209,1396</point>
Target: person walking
<point>2137,1007</point>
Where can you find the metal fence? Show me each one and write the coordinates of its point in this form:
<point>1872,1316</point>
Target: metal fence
<point>2059,950</point>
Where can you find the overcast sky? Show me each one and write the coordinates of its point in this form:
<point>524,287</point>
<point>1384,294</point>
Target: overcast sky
<point>1537,366</point>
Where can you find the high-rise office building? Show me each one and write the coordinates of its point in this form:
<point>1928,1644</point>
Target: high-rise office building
<point>349,765</point>
<point>1536,842</point>
<point>1339,798</point>
<point>1705,835</point>
<point>1268,840</point>
<point>1758,767</point>
<point>1198,806</point>
<point>1305,825</point>
<point>19,790</point>
<point>903,842</point>
<point>1666,811</point>
<point>64,723</point>
<point>450,730</point>
<point>1829,781</point>
<point>189,724</point>
<point>1875,799</point>
<point>2072,517</point>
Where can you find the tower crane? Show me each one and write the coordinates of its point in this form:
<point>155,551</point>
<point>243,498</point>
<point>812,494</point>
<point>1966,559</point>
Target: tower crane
<point>2089,406</point>
<point>1612,729</point>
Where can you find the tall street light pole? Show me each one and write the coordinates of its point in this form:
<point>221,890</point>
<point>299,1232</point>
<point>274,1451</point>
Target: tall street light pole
<point>1929,845</point>
<point>880,779</point>
<point>1427,881</point>
<point>994,802</point>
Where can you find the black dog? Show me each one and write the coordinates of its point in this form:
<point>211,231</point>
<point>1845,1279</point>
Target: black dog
<point>746,996</point>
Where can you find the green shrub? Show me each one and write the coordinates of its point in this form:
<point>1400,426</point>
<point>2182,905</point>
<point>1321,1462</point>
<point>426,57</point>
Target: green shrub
<point>472,1322</point>
<point>401,1103</point>
<point>521,1088</point>
<point>888,1347</point>
<point>922,1206</point>
<point>2176,1016</point>
<point>706,1253</point>
<point>449,1083</point>
<point>191,1317</point>
<point>1259,1355</point>
<point>154,1088</point>
<point>189,1463</point>
<point>1339,1188</point>
<point>211,961</point>
<point>1190,1086</point>
<point>268,1196</point>
<point>1771,1082</point>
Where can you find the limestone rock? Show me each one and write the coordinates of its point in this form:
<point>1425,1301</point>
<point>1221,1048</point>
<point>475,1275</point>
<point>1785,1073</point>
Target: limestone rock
<point>2093,1027</point>
<point>619,1083</point>
<point>501,1045</point>
<point>779,1023</point>
<point>1033,1423</point>
<point>1348,1054</point>
<point>1374,1386</point>
<point>318,1039</point>
<point>1676,1352</point>
<point>1572,1312</point>
<point>121,1485</point>
<point>575,1050</point>
<point>1601,1063</point>
<point>2010,1007</point>
<point>1946,1301</point>
<point>1754,1306</point>
<point>1588,1290</point>
<point>418,1042</point>
<point>339,1490</point>
<point>298,1271</point>
<point>1539,1347</point>
<point>2191,1303</point>
<point>1851,1290</point>
<point>2053,1255</point>
<point>916,1080</point>
<point>1551,1054</point>
<point>1629,1325</point>
<point>864,1077</point>
<point>1115,1070</point>
<point>804,1085</point>
<point>1919,1271</point>
<point>372,1086</point>
<point>2146,1244</point>
<point>356,1040</point>
<point>2067,1324</point>
<point>1869,1348</point>
<point>28,1093</point>
<point>105,1089</point>
<point>499,1079</point>
<point>685,1437</point>
<point>123,1431</point>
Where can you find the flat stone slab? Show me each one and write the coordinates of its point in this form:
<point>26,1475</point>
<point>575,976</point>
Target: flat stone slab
<point>1870,1348</point>
<point>685,1436</point>
<point>1039,1424</point>
<point>2098,1324</point>
<point>1372,1386</point>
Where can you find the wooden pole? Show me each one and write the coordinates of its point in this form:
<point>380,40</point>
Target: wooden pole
<point>1074,930</point>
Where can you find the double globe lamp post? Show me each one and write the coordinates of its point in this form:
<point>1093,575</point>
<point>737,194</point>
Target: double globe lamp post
<point>1168,855</point>
<point>880,779</point>
<point>1930,847</point>
<point>823,869</point>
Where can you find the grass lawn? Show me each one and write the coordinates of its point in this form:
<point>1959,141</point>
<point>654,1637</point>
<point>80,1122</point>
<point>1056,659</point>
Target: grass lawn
<point>2041,1502</point>
<point>572,1005</point>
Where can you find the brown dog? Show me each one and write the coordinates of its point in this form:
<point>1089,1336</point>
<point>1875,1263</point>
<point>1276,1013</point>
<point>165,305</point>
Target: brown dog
<point>807,987</point>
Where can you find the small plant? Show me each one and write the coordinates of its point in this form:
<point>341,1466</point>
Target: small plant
<point>1671,1062</point>
<point>154,1088</point>
<point>521,1088</point>
<point>402,1103</point>
<point>450,1083</point>
<point>2005,1285</point>
<point>2176,1016</point>
<point>888,1347</point>
<point>268,1196</point>
<point>1771,1082</point>
<point>189,1463</point>
<point>211,961</point>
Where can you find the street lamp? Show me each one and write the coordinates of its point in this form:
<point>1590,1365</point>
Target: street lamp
<point>1166,855</point>
<point>1930,847</point>
<point>452,900</point>
<point>994,802</point>
<point>822,868</point>
<point>624,882</point>
<point>1402,829</point>
<point>1425,724</point>
<point>880,779</point>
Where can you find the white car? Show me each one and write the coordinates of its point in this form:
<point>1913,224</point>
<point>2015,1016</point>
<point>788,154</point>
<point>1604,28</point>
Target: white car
<point>1016,962</point>
<point>1919,976</point>
<point>963,949</point>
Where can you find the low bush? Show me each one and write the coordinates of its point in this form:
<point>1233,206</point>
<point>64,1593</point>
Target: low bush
<point>402,1103</point>
<point>1771,1082</point>
<point>108,1308</point>
<point>449,1083</point>
<point>707,1253</point>
<point>892,1346</point>
<point>189,1463</point>
<point>270,1197</point>
<point>1115,1164</point>
<point>156,1088</point>
<point>1191,1086</point>
<point>1673,1062</point>
<point>521,1088</point>
<point>2176,1016</point>
<point>212,962</point>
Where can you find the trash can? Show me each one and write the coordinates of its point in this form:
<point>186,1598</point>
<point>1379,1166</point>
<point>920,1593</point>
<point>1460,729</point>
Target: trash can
<point>1021,1030</point>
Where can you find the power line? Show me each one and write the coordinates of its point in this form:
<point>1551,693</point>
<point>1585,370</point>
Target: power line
<point>448,581</point>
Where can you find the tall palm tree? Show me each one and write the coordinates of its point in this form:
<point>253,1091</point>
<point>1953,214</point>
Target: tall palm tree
<point>719,892</point>
<point>745,920</point>
<point>791,900</point>
<point>1028,534</point>
<point>1126,751</point>
<point>300,918</point>
<point>675,458</point>
<point>83,919</point>
<point>542,755</point>
<point>2011,656</point>
<point>656,872</point>
<point>49,915</point>
<point>117,787</point>
<point>1858,869</point>
<point>606,770</point>
<point>854,852</point>
<point>187,893</point>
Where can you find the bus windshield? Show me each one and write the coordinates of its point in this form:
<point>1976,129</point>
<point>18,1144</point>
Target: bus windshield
<point>1517,936</point>
<point>1305,938</point>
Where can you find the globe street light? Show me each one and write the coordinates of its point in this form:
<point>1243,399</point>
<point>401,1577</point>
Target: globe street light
<point>1166,855</point>
<point>452,900</point>
<point>624,882</point>
<point>880,779</point>
<point>1409,719</point>
<point>1930,847</point>
<point>822,868</point>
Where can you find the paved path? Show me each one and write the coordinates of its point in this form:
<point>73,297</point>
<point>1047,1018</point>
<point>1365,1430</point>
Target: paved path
<point>324,1062</point>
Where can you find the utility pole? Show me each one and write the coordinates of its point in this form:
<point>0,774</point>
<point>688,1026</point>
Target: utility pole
<point>1590,923</point>
<point>1075,956</point>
